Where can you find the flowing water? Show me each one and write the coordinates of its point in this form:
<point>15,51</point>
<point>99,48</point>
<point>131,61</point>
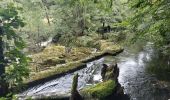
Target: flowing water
<point>137,82</point>
<point>62,86</point>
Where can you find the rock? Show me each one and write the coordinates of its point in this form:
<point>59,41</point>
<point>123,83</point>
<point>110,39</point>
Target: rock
<point>116,72</point>
<point>56,38</point>
<point>110,72</point>
<point>100,91</point>
<point>103,71</point>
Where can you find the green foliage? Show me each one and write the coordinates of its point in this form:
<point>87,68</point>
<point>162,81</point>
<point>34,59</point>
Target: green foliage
<point>9,97</point>
<point>82,17</point>
<point>70,18</point>
<point>17,62</point>
<point>151,20</point>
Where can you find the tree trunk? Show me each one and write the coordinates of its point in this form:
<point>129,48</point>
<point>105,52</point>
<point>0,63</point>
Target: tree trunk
<point>74,93</point>
<point>3,86</point>
<point>46,11</point>
<point>103,24</point>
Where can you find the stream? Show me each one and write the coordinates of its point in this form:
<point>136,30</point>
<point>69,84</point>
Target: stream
<point>137,83</point>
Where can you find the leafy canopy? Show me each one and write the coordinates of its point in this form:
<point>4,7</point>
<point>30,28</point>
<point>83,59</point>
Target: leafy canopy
<point>151,20</point>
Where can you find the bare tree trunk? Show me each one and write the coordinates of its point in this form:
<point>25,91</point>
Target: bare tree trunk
<point>46,13</point>
<point>48,19</point>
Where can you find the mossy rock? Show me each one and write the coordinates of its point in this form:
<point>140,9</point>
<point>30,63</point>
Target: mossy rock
<point>99,91</point>
<point>48,53</point>
<point>54,48</point>
<point>109,47</point>
<point>81,50</point>
<point>88,41</point>
<point>78,53</point>
<point>53,61</point>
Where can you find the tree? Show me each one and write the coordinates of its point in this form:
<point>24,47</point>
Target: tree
<point>81,17</point>
<point>13,62</point>
<point>151,21</point>
<point>2,67</point>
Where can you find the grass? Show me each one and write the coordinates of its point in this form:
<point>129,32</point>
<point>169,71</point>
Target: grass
<point>101,90</point>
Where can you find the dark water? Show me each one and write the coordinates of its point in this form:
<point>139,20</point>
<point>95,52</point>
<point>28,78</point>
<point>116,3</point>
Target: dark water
<point>134,76</point>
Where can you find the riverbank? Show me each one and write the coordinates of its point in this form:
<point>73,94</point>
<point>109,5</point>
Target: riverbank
<point>53,61</point>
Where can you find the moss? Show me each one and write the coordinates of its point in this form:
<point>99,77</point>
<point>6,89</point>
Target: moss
<point>54,71</point>
<point>53,61</point>
<point>82,50</point>
<point>54,48</point>
<point>88,41</point>
<point>101,90</point>
<point>47,60</point>
<point>48,53</point>
<point>78,53</point>
<point>108,46</point>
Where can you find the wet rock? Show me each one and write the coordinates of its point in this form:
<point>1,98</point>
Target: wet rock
<point>56,38</point>
<point>103,71</point>
<point>110,72</point>
<point>116,72</point>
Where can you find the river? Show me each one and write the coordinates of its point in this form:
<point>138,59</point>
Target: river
<point>137,82</point>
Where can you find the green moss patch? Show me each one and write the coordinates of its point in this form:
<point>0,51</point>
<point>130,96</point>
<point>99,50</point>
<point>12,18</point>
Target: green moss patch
<point>78,53</point>
<point>53,61</point>
<point>107,46</point>
<point>48,53</point>
<point>54,70</point>
<point>101,90</point>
